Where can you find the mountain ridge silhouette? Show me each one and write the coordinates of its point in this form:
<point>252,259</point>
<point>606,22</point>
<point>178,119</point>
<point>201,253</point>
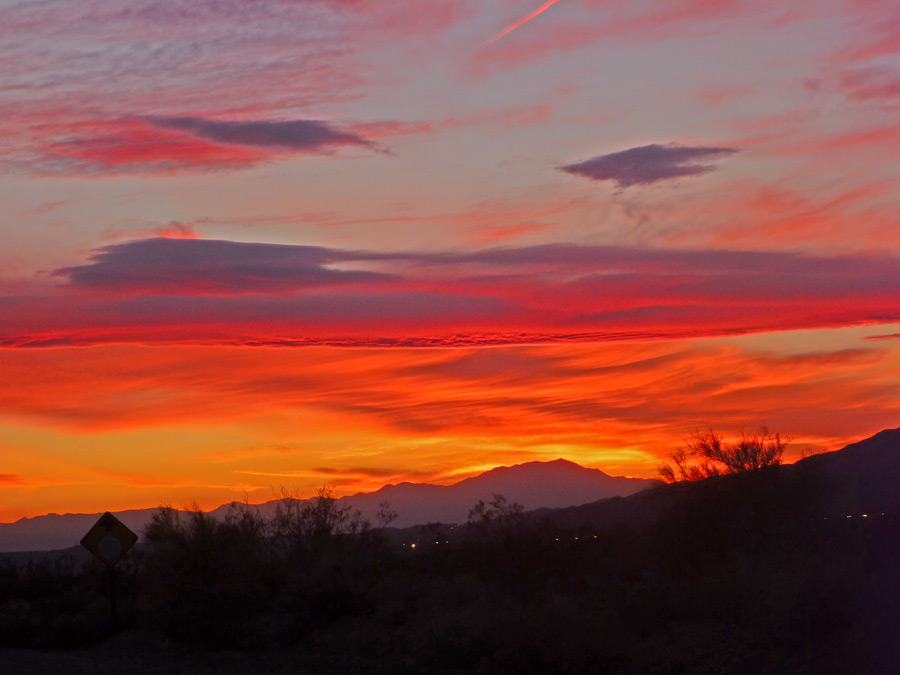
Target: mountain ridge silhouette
<point>536,484</point>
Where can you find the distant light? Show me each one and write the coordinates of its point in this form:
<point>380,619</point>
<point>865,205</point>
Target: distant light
<point>412,545</point>
<point>849,516</point>
<point>595,536</point>
<point>865,515</point>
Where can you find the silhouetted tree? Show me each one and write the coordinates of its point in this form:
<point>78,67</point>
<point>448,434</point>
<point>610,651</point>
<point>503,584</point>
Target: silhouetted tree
<point>314,521</point>
<point>705,455</point>
<point>386,515</point>
<point>497,514</point>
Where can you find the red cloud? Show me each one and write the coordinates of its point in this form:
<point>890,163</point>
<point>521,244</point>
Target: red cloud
<point>171,143</point>
<point>205,291</point>
<point>139,145</point>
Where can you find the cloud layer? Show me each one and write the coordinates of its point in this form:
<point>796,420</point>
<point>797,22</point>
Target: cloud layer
<point>648,164</point>
<point>207,291</point>
<point>168,266</point>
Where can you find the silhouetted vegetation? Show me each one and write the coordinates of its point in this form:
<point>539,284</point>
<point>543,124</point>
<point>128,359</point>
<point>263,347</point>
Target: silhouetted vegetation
<point>737,574</point>
<point>499,517</point>
<point>706,456</point>
<point>59,604</point>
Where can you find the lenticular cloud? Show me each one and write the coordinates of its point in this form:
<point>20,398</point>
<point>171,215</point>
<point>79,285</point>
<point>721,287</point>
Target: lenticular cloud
<point>309,135</point>
<point>648,164</point>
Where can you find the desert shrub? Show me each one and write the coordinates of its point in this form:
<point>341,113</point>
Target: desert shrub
<point>205,578</point>
<point>313,524</point>
<point>53,603</point>
<point>706,456</point>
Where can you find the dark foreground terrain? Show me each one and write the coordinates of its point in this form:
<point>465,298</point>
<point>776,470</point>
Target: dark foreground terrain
<point>791,569</point>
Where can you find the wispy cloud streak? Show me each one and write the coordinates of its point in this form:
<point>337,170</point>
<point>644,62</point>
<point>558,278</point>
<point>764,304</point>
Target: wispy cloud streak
<point>525,19</point>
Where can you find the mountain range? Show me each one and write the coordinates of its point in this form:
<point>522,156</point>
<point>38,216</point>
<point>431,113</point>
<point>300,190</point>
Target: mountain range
<point>860,481</point>
<point>535,485</point>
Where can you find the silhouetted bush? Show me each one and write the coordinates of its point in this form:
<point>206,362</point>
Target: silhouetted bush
<point>706,456</point>
<point>205,579</point>
<point>53,604</point>
<point>733,575</point>
<point>311,525</point>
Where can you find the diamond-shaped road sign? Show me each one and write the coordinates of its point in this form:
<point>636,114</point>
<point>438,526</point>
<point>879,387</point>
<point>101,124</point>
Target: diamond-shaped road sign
<point>109,539</point>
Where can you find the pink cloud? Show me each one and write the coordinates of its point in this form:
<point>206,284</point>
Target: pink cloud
<point>171,230</point>
<point>644,21</point>
<point>379,130</point>
<point>882,138</point>
<point>504,118</point>
<point>139,146</point>
<point>880,28</point>
<point>521,22</point>
<point>243,77</point>
<point>717,95</point>
<point>180,143</point>
<point>782,215</point>
<point>871,83</point>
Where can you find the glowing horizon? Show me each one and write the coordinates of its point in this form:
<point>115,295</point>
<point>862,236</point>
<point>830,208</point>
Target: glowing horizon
<point>364,242</point>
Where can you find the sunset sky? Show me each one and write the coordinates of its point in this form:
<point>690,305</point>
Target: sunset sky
<point>248,244</point>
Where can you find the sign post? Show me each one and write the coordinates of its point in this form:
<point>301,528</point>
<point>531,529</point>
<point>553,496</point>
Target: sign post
<point>109,540</point>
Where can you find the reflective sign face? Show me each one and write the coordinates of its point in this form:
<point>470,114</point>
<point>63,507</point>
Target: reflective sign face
<point>109,539</point>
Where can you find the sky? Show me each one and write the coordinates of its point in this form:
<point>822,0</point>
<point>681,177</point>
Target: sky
<point>248,245</point>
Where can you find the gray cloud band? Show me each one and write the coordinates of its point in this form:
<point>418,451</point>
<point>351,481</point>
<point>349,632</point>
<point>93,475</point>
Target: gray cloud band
<point>305,135</point>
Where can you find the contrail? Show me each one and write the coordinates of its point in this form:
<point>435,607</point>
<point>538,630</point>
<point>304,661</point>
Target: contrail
<point>525,19</point>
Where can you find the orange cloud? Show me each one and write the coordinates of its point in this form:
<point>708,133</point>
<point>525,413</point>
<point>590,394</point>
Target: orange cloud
<point>175,422</point>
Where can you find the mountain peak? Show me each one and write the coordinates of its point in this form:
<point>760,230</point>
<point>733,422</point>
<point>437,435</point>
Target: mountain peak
<point>536,484</point>
<point>541,465</point>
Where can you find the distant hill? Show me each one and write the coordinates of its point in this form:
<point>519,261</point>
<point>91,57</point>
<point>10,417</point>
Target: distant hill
<point>555,484</point>
<point>862,479</point>
<point>58,531</point>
